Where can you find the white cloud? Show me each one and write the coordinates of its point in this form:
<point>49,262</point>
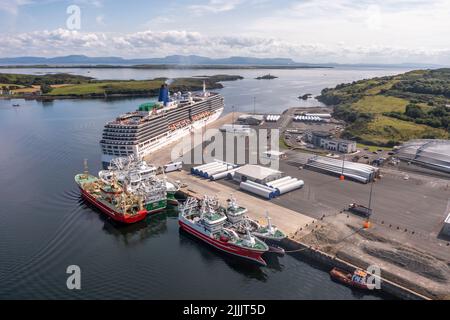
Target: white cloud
<point>215,6</point>
<point>406,23</point>
<point>161,43</point>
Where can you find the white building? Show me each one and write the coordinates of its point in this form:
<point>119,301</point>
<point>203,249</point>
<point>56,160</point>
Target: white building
<point>340,145</point>
<point>274,155</point>
<point>258,174</point>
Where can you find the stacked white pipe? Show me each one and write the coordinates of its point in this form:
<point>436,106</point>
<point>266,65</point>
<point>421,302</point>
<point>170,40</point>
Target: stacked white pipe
<point>258,189</point>
<point>224,174</point>
<point>308,118</point>
<point>358,171</point>
<point>286,184</point>
<point>204,172</point>
<point>272,117</point>
<point>209,169</point>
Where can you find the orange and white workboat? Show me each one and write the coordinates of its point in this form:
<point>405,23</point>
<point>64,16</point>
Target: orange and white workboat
<point>357,279</point>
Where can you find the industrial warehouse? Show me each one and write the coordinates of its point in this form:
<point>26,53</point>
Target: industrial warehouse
<point>433,154</point>
<point>356,171</point>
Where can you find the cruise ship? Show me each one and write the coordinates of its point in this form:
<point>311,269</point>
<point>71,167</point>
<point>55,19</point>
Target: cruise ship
<point>155,124</point>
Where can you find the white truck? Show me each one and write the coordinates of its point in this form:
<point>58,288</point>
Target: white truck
<point>173,166</point>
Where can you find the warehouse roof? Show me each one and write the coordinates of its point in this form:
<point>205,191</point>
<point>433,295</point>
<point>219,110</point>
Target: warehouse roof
<point>257,172</point>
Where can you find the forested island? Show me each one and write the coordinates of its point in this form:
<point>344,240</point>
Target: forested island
<point>387,110</point>
<point>63,85</point>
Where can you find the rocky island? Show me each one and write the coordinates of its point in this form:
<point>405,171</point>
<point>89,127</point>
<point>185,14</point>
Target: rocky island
<point>266,77</point>
<point>306,96</point>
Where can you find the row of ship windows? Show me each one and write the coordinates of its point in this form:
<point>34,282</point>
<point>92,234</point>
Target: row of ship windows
<point>117,147</point>
<point>134,130</point>
<point>117,153</point>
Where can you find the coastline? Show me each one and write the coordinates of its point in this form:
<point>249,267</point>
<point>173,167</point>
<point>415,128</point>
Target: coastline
<point>163,66</point>
<point>114,89</point>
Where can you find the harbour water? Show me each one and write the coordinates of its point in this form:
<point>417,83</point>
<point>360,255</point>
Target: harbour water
<point>45,226</point>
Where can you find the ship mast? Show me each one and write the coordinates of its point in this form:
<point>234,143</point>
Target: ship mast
<point>86,169</point>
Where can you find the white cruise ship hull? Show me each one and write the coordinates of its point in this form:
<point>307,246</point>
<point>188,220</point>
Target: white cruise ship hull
<point>167,138</point>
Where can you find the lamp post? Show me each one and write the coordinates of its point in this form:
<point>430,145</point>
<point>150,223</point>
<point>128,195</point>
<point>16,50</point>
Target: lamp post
<point>342,177</point>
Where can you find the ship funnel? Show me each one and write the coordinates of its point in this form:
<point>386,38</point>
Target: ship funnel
<point>164,94</point>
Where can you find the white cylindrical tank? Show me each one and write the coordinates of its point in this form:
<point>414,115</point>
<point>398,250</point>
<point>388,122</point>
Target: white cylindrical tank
<point>273,191</point>
<point>195,169</point>
<point>222,175</point>
<point>290,186</point>
<point>215,170</point>
<point>256,190</point>
<point>231,175</point>
<point>275,182</point>
<point>285,182</point>
<point>208,169</point>
<point>205,169</point>
<point>206,165</point>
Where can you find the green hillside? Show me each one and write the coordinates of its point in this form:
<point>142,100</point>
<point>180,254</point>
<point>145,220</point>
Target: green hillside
<point>387,110</point>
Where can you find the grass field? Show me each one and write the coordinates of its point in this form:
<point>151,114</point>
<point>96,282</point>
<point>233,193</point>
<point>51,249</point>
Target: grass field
<point>384,129</point>
<point>379,104</point>
<point>26,90</point>
<point>110,87</point>
<point>377,89</point>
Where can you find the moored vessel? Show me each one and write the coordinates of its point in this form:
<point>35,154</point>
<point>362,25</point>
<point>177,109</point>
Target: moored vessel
<point>357,279</point>
<point>206,222</point>
<point>234,212</point>
<point>172,188</point>
<point>111,199</point>
<point>268,232</point>
<point>137,176</point>
<point>155,124</point>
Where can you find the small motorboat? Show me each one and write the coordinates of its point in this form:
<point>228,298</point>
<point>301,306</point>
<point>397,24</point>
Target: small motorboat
<point>16,105</point>
<point>357,279</point>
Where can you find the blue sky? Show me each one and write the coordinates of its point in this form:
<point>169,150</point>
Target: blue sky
<point>346,31</point>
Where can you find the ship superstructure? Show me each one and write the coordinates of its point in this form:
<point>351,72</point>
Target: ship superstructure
<point>137,176</point>
<point>207,222</point>
<point>155,124</point>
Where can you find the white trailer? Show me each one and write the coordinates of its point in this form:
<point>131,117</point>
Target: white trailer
<point>173,166</point>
